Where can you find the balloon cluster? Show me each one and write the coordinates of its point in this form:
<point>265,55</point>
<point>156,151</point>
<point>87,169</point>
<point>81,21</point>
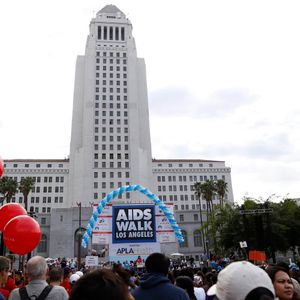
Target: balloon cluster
<point>128,188</point>
<point>21,233</point>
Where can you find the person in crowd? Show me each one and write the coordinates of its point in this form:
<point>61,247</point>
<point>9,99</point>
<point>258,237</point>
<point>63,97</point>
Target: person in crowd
<point>125,275</point>
<point>19,278</point>
<point>186,283</point>
<point>198,291</point>
<point>66,279</point>
<point>282,282</point>
<point>6,283</point>
<point>155,283</point>
<point>289,269</point>
<point>242,281</point>
<point>101,284</point>
<point>55,276</point>
<point>37,270</point>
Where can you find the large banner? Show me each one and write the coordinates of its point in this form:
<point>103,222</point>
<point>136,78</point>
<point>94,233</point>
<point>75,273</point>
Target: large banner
<point>102,229</point>
<point>130,252</point>
<point>102,232</point>
<point>133,224</point>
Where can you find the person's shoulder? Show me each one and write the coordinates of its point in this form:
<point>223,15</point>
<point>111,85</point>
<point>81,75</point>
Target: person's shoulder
<point>59,291</point>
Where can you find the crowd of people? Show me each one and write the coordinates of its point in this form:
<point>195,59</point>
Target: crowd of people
<point>159,279</point>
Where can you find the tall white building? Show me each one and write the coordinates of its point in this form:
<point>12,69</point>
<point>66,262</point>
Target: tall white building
<point>110,143</point>
<point>111,147</point>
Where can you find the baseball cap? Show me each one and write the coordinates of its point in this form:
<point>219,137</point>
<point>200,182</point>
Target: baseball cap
<point>74,278</point>
<point>238,279</point>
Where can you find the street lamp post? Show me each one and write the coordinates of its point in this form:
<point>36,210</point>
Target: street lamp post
<point>79,238</point>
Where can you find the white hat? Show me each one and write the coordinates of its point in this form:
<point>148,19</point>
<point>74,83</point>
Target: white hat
<point>74,278</point>
<point>238,279</point>
<point>79,273</point>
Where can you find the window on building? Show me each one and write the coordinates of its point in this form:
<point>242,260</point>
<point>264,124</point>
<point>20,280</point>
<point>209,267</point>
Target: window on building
<point>197,238</point>
<point>42,248</point>
<point>185,243</point>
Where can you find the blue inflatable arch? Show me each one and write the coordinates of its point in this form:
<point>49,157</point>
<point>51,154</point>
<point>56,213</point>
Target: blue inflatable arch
<point>129,188</point>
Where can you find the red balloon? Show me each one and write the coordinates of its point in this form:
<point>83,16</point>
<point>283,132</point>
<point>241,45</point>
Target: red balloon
<point>22,234</point>
<point>1,167</point>
<point>9,211</point>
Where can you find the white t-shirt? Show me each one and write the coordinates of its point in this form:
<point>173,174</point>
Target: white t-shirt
<point>199,293</point>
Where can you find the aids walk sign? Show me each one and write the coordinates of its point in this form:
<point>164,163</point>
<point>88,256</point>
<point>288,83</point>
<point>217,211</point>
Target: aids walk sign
<point>133,224</point>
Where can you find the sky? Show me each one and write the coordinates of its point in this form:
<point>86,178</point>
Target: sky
<point>223,82</point>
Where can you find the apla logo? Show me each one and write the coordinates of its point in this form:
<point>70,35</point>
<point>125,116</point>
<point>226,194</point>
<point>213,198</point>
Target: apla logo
<point>125,251</point>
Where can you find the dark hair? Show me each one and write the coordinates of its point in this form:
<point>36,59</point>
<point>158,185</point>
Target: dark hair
<point>157,263</point>
<point>186,283</point>
<point>260,293</point>
<point>55,274</point>
<point>99,283</point>
<point>273,270</point>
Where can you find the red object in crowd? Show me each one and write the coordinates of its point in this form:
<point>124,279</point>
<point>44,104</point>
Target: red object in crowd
<point>9,211</point>
<point>22,234</point>
<point>67,285</point>
<point>10,284</point>
<point>1,167</point>
<point>5,293</point>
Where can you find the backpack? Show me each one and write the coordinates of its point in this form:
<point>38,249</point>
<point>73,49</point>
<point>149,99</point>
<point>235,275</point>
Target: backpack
<point>43,295</point>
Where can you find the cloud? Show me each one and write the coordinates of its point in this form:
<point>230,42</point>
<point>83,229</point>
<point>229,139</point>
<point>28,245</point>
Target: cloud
<point>179,101</point>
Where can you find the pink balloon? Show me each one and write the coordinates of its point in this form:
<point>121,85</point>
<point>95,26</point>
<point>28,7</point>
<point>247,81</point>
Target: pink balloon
<point>1,167</point>
<point>22,234</point>
<point>9,211</point>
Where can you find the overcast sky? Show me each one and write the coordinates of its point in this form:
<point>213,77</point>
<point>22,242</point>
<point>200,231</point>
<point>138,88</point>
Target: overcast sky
<point>223,82</point>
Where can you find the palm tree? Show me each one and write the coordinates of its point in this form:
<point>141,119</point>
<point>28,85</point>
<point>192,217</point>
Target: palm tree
<point>8,188</point>
<point>221,189</point>
<point>197,188</point>
<point>26,185</point>
<point>208,189</point>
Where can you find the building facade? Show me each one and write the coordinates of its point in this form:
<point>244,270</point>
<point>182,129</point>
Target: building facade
<point>110,147</point>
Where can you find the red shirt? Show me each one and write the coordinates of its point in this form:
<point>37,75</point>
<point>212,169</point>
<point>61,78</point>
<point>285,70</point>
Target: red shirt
<point>67,285</point>
<point>10,284</point>
<point>4,292</point>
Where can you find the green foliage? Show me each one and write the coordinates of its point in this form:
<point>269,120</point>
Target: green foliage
<point>271,232</point>
<point>25,186</point>
<point>8,188</point>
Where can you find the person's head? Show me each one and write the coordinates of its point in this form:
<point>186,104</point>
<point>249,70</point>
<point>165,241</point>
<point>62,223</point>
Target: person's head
<point>157,263</point>
<point>67,272</point>
<point>282,282</point>
<point>186,283</point>
<point>242,281</point>
<point>101,283</point>
<point>4,268</point>
<point>37,268</point>
<point>55,275</point>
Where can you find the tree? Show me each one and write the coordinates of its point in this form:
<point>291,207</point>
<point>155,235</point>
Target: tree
<point>208,189</point>
<point>221,189</point>
<point>26,185</point>
<point>8,188</point>
<point>197,188</point>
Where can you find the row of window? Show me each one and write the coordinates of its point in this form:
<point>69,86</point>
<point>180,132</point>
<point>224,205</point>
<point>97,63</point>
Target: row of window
<point>111,121</point>
<point>111,105</point>
<point>191,178</point>
<point>190,165</point>
<point>48,189</point>
<point>111,33</point>
<point>110,129</point>
<point>111,185</point>
<point>112,174</point>
<point>111,113</point>
<point>174,198</point>
<point>36,209</point>
<point>111,97</point>
<point>36,166</point>
<point>111,90</point>
<point>112,75</point>
<point>111,61</point>
<point>112,165</point>
<point>111,68</point>
<point>111,54</point>
<point>111,147</point>
<point>112,138</point>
